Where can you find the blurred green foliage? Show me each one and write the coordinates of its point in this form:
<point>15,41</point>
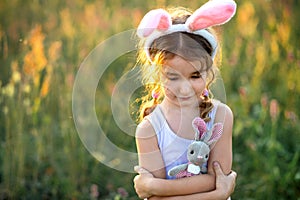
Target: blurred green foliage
<point>42,44</point>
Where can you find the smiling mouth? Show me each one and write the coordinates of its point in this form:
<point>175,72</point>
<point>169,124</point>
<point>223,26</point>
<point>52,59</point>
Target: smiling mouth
<point>184,98</point>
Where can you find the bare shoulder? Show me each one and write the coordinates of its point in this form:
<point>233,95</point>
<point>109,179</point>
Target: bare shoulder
<point>144,129</point>
<point>224,113</point>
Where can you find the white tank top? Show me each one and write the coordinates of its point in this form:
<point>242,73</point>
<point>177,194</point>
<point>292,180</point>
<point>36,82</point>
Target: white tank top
<point>173,148</point>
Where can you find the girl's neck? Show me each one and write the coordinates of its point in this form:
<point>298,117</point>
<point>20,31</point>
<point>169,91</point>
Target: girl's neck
<point>179,118</point>
<point>176,108</point>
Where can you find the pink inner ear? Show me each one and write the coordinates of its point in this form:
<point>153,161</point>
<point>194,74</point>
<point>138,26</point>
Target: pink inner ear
<point>164,23</point>
<point>216,132</point>
<point>154,19</point>
<point>199,124</point>
<point>212,13</point>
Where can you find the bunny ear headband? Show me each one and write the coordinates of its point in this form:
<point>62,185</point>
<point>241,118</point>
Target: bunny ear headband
<point>158,22</point>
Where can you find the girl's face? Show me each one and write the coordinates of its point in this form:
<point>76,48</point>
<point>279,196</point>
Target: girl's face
<point>183,81</point>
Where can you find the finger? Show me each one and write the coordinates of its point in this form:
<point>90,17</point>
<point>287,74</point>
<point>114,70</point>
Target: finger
<point>136,168</point>
<point>140,170</point>
<point>135,178</point>
<point>233,174</point>
<point>218,169</point>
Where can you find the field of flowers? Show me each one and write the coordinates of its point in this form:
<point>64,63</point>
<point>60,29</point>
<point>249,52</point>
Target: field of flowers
<point>42,45</point>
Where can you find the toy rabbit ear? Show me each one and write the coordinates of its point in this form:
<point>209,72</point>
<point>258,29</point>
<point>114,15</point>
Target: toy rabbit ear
<point>155,19</point>
<point>214,12</point>
<point>199,127</point>
<point>217,131</point>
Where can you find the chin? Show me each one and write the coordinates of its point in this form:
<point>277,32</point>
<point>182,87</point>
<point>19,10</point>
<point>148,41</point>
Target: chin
<point>187,103</point>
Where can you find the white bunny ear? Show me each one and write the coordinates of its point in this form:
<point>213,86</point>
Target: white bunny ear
<point>199,127</point>
<point>158,19</point>
<point>214,12</point>
<point>217,131</point>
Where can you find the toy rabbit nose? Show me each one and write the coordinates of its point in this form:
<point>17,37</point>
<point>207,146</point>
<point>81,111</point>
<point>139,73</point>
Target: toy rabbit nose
<point>200,157</point>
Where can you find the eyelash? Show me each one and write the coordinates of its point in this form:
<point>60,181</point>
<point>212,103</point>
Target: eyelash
<point>172,79</point>
<point>196,76</point>
<point>192,77</point>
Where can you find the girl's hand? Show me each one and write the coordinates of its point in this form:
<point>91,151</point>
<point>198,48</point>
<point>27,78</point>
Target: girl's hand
<point>224,183</point>
<point>142,182</point>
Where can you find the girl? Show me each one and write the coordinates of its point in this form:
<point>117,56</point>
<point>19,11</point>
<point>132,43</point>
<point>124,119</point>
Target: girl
<point>177,54</point>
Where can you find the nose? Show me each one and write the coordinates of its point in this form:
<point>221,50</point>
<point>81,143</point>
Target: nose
<point>186,88</point>
<point>200,157</point>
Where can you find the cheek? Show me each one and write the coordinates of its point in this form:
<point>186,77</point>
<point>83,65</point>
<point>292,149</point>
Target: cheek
<point>169,90</point>
<point>168,93</point>
<point>170,86</point>
<point>199,86</point>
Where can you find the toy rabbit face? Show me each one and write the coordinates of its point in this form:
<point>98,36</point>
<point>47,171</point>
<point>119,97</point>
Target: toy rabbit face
<point>198,152</point>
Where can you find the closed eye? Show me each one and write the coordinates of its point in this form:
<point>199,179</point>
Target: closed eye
<point>196,75</point>
<point>172,76</point>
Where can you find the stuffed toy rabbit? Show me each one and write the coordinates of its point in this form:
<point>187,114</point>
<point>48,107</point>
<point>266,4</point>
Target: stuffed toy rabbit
<point>198,151</point>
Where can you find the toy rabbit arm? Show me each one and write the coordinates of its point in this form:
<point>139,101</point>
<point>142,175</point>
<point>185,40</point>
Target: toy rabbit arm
<point>177,169</point>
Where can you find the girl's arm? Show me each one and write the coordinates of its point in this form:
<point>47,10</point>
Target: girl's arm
<point>150,158</point>
<point>224,187</point>
<point>222,151</point>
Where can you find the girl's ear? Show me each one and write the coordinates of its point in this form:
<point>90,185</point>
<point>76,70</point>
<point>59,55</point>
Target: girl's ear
<point>217,131</point>
<point>199,127</point>
<point>158,19</point>
<point>212,13</point>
